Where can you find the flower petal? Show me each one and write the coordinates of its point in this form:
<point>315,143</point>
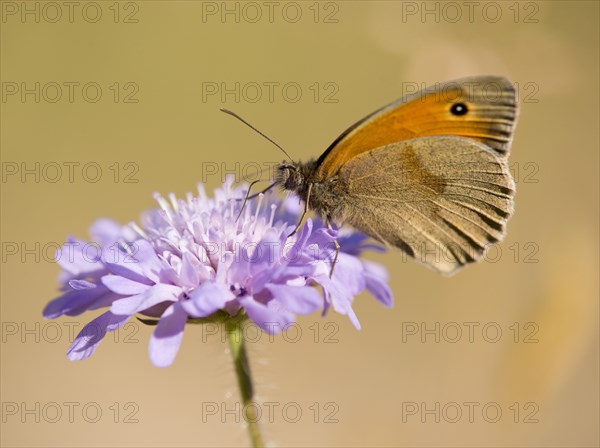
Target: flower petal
<point>324,238</point>
<point>119,262</point>
<point>79,258</point>
<point>345,307</point>
<point>76,301</point>
<point>356,243</point>
<point>266,253</point>
<point>124,286</point>
<point>339,296</point>
<point>349,273</point>
<point>81,284</point>
<point>270,317</point>
<point>190,271</point>
<point>376,282</point>
<point>152,296</point>
<point>105,231</point>
<point>149,261</point>
<point>298,246</point>
<point>297,299</point>
<point>206,299</point>
<point>166,339</point>
<point>92,334</point>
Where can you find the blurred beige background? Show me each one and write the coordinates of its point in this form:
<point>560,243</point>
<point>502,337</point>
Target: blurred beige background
<point>156,65</point>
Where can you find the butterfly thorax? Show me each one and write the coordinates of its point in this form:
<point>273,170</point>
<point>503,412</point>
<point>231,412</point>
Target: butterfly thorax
<point>298,177</point>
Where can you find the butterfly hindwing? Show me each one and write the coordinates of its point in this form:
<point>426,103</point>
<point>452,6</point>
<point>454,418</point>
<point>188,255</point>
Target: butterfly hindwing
<point>441,200</point>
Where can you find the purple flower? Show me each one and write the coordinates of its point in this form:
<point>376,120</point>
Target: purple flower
<point>193,259</point>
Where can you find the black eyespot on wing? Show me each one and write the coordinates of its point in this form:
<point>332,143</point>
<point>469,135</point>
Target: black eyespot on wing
<point>459,109</point>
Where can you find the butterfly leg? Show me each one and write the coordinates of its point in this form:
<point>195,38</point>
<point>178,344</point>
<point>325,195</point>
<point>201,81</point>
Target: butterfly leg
<point>304,212</point>
<point>337,249</point>
<point>247,197</point>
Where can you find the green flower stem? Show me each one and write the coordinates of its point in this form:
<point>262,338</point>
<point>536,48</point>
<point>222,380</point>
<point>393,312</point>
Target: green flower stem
<point>237,346</point>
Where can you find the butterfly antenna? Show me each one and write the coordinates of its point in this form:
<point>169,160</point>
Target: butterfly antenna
<point>233,114</point>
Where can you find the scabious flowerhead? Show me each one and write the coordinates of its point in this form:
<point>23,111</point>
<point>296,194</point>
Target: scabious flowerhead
<point>196,259</point>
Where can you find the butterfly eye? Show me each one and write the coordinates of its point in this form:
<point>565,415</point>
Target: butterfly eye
<point>459,109</point>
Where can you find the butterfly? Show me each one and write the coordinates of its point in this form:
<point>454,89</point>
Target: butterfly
<point>427,173</point>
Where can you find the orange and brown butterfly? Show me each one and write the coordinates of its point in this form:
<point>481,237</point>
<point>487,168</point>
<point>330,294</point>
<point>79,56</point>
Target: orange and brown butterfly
<point>427,173</point>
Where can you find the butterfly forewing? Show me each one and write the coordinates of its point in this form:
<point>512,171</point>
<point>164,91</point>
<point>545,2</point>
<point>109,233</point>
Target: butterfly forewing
<point>482,108</point>
<point>441,200</point>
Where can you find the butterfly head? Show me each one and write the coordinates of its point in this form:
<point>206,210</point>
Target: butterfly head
<point>290,176</point>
